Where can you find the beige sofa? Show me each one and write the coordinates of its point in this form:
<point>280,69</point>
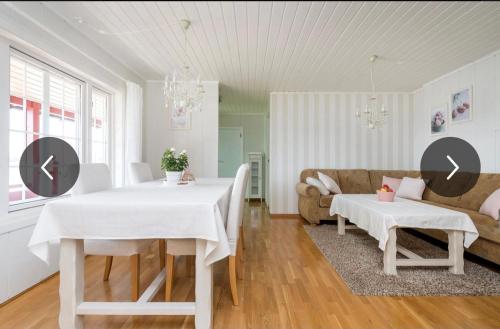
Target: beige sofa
<point>314,207</point>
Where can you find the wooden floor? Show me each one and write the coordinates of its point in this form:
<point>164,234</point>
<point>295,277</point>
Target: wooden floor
<point>287,284</point>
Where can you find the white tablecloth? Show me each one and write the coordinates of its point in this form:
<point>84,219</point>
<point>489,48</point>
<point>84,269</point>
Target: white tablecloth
<point>377,217</point>
<point>151,210</point>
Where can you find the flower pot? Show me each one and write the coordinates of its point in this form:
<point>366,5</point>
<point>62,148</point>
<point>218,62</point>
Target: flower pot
<point>173,177</point>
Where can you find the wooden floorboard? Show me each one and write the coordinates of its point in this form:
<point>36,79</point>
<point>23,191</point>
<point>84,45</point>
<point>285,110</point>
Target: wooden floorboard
<point>287,283</point>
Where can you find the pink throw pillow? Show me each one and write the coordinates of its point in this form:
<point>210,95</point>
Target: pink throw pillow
<point>393,183</point>
<point>491,206</point>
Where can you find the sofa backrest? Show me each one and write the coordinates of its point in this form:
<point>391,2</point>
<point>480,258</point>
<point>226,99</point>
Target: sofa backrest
<point>354,181</point>
<point>486,184</point>
<point>368,181</point>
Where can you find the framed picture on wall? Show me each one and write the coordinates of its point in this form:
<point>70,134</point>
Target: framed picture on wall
<point>180,118</point>
<point>439,120</point>
<point>461,105</point>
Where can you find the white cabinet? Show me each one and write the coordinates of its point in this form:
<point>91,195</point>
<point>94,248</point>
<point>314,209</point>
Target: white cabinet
<point>255,160</point>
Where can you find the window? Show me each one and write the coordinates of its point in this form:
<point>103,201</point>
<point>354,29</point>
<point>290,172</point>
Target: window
<point>43,102</point>
<point>99,118</point>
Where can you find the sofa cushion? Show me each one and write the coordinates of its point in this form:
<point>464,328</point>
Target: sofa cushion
<point>318,184</point>
<point>487,227</point>
<point>485,186</point>
<point>429,195</point>
<point>325,201</point>
<point>376,176</point>
<point>411,188</point>
<point>329,182</point>
<point>332,173</point>
<point>392,182</point>
<point>354,181</point>
<point>491,206</point>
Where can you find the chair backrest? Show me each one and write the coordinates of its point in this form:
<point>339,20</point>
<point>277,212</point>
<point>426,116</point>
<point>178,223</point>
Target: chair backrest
<point>93,177</point>
<point>139,172</point>
<point>236,206</point>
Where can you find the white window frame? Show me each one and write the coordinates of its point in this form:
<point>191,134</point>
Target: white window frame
<point>109,122</point>
<point>84,129</point>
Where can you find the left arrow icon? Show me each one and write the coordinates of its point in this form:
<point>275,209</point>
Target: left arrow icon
<point>45,170</point>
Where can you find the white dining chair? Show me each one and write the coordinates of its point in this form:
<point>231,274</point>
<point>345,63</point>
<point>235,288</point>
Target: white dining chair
<point>186,247</point>
<point>96,177</point>
<point>139,172</point>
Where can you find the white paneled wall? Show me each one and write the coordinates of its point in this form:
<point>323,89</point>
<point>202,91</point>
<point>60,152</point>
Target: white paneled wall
<point>20,268</point>
<point>319,130</point>
<point>201,141</point>
<point>4,270</point>
<point>482,132</point>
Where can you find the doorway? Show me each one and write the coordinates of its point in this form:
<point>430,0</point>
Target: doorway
<point>230,150</point>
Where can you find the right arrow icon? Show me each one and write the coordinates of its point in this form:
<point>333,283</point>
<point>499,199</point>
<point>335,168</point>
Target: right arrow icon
<point>454,170</point>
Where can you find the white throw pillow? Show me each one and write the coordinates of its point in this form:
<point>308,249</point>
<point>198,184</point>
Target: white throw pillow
<point>329,183</point>
<point>316,182</point>
<point>411,188</point>
<point>491,206</point>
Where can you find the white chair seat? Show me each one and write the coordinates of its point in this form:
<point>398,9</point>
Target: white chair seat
<point>186,247</point>
<point>116,247</point>
<point>181,247</point>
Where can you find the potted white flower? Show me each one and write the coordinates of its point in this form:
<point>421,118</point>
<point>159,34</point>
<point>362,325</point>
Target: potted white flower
<point>174,165</point>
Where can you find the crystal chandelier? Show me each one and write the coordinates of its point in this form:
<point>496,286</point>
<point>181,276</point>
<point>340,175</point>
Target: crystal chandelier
<point>182,91</point>
<point>373,116</point>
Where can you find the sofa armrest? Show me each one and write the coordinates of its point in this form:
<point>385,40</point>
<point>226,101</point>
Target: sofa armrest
<point>307,190</point>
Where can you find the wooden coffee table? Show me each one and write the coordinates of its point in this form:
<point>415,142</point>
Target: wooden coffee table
<point>381,219</point>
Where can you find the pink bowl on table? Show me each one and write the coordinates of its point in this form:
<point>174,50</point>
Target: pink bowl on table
<point>386,196</point>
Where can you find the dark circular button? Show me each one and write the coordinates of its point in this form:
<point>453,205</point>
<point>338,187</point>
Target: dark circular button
<point>49,167</point>
<point>450,166</point>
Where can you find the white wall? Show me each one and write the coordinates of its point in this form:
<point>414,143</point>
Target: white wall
<point>201,141</point>
<point>484,76</point>
<point>319,130</point>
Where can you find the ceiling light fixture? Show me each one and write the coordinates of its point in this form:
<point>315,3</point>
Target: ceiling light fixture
<point>182,91</point>
<point>373,115</point>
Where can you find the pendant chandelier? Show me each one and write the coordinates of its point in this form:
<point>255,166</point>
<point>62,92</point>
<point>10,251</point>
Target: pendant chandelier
<point>373,116</point>
<point>183,92</point>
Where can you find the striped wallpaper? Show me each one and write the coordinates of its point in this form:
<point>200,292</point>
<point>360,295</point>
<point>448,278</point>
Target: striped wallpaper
<point>320,130</point>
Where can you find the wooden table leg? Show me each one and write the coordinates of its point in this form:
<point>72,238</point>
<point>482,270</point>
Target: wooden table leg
<point>71,286</point>
<point>456,251</point>
<point>390,253</point>
<point>341,225</point>
<point>203,318</point>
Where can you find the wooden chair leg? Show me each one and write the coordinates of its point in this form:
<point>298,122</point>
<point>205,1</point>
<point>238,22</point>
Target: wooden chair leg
<point>232,279</point>
<point>161,244</point>
<point>239,259</point>
<point>107,267</point>
<point>189,265</point>
<point>169,277</point>
<point>242,238</point>
<point>135,270</point>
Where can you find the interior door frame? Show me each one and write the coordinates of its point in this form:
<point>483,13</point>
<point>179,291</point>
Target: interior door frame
<point>240,130</point>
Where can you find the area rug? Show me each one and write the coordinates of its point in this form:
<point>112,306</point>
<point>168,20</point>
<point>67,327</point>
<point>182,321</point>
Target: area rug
<point>359,261</point>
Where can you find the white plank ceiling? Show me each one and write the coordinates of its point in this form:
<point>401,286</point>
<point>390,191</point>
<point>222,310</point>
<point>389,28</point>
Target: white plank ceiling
<point>254,48</point>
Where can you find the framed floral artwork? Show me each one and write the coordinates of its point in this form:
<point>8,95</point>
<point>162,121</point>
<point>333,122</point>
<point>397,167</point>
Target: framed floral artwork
<point>180,118</point>
<point>461,105</point>
<point>439,120</point>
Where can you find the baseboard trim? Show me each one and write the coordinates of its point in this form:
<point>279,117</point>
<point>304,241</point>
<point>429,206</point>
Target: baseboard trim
<point>285,216</point>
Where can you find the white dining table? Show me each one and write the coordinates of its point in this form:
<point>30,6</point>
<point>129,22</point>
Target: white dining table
<point>152,210</point>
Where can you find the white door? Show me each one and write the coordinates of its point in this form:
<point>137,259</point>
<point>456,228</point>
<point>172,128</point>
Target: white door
<point>230,150</point>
